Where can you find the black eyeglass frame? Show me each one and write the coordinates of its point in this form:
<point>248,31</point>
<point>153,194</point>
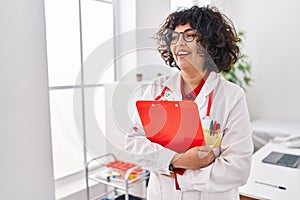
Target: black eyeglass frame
<point>169,36</point>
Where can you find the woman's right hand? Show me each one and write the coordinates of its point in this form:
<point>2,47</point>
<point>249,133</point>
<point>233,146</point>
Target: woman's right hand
<point>194,158</point>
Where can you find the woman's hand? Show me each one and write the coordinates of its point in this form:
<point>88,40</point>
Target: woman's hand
<point>194,158</point>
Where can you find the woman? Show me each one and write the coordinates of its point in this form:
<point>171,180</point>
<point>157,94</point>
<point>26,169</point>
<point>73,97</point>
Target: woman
<point>200,42</point>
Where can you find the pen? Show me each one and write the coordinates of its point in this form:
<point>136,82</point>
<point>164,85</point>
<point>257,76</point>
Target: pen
<point>271,185</point>
<point>211,127</point>
<point>215,128</point>
<point>218,129</point>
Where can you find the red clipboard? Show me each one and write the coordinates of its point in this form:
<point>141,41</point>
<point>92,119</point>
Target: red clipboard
<point>175,125</point>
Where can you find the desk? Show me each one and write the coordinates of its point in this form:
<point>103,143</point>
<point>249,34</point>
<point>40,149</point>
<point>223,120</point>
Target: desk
<point>272,174</point>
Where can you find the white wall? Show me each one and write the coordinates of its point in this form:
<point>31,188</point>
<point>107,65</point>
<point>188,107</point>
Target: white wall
<point>136,22</point>
<point>25,143</point>
<point>150,16</point>
<point>272,42</point>
<point>125,40</point>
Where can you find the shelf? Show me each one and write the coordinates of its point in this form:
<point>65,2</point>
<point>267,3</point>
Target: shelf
<point>102,173</point>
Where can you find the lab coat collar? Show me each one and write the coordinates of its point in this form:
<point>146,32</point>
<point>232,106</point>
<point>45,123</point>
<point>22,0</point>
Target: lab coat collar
<point>173,84</point>
<point>210,84</point>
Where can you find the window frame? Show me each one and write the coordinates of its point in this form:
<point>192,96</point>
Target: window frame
<point>82,86</point>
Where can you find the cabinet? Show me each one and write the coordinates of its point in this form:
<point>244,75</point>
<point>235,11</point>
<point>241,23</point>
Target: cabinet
<point>117,182</point>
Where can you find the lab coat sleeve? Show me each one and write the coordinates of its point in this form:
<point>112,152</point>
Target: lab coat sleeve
<point>232,168</point>
<point>151,156</point>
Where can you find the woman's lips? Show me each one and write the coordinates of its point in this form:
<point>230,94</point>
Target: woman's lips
<point>182,53</point>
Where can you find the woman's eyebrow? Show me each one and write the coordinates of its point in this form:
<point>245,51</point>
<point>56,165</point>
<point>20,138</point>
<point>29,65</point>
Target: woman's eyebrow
<point>184,30</point>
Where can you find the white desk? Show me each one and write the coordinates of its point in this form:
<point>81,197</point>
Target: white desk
<point>272,174</point>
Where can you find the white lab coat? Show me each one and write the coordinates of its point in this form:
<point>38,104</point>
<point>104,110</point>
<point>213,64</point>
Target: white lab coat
<point>221,179</point>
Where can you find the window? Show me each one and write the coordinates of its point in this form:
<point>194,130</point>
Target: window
<point>69,80</point>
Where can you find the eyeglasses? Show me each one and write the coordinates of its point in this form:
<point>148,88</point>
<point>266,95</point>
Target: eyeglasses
<point>188,35</point>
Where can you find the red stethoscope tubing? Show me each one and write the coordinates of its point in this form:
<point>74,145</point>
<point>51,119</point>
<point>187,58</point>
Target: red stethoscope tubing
<point>161,94</point>
<point>210,96</point>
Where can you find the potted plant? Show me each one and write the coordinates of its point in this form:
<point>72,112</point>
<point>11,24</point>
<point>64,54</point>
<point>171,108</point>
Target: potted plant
<point>240,72</point>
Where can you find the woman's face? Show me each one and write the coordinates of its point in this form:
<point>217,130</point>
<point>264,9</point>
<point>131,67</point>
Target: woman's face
<point>186,54</point>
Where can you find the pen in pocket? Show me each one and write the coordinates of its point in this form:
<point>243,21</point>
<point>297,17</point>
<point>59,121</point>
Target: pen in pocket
<point>211,127</point>
<point>215,128</point>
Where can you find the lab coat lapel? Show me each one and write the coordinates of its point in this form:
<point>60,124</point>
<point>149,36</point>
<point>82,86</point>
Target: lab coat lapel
<point>173,84</point>
<point>209,85</point>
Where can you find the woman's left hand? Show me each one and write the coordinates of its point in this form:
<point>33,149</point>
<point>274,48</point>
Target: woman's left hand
<point>194,158</point>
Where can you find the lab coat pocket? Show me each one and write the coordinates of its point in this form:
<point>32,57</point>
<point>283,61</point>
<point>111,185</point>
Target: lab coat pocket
<point>212,132</point>
<point>228,195</point>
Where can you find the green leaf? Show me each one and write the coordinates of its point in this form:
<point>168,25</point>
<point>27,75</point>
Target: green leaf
<point>241,70</point>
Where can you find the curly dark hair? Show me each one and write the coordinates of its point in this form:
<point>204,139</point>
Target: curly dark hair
<point>217,36</point>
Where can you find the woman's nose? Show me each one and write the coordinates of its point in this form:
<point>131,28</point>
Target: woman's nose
<point>181,41</point>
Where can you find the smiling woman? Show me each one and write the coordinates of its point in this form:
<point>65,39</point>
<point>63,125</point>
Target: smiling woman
<point>200,42</point>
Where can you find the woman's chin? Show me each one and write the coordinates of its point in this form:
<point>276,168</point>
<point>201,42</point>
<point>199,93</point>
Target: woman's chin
<point>184,64</point>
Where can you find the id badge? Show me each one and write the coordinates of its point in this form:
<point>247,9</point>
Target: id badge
<point>212,132</point>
